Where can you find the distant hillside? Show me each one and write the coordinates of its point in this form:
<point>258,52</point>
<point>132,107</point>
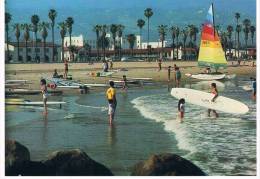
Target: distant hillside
<point>87,13</point>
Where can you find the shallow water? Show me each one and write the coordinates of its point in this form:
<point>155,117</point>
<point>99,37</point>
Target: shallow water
<point>145,124</point>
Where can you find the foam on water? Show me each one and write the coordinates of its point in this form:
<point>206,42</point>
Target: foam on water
<point>223,146</point>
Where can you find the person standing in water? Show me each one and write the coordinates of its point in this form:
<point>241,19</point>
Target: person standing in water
<point>160,64</point>
<point>254,88</point>
<point>44,95</point>
<point>178,77</point>
<point>181,109</point>
<point>111,65</point>
<point>215,92</point>
<point>66,69</point>
<point>124,83</point>
<point>169,73</point>
<point>112,102</point>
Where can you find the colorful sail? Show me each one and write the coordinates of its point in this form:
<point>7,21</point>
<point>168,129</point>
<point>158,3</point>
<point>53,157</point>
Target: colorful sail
<point>211,53</point>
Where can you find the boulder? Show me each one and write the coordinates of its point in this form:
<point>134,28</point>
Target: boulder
<point>166,165</point>
<point>75,163</point>
<point>15,153</point>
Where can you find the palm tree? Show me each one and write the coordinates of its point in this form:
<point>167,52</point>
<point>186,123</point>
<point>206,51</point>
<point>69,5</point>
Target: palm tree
<point>35,20</point>
<point>195,32</point>
<point>191,34</point>
<point>63,30</point>
<point>131,38</point>
<point>73,50</point>
<point>120,29</point>
<point>246,30</point>
<point>97,29</point>
<point>8,18</point>
<point>148,13</point>
<point>69,22</point>
<point>103,39</point>
<point>140,24</point>
<point>224,41</point>
<point>185,33</point>
<point>177,33</point>
<point>43,28</point>
<point>229,34</point>
<point>87,48</point>
<point>113,30</point>
<point>238,30</point>
<point>162,32</point>
<point>173,34</point>
<point>17,35</point>
<point>52,16</point>
<point>252,31</point>
<point>26,36</point>
<point>237,16</point>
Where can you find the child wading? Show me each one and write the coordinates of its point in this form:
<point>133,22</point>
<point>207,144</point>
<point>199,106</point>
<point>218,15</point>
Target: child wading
<point>44,95</point>
<point>181,109</point>
<point>178,77</point>
<point>215,92</point>
<point>112,103</point>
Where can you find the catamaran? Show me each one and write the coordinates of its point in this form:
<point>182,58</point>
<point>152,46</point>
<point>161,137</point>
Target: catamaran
<point>211,54</point>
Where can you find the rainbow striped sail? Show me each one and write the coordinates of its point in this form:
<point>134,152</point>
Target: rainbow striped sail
<point>211,53</point>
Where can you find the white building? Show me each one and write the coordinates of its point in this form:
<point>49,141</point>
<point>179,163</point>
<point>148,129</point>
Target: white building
<point>32,56</point>
<point>77,41</point>
<point>154,44</point>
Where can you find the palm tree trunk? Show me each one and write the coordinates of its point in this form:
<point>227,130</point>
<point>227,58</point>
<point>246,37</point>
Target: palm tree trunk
<point>238,45</point>
<point>114,48</point>
<point>62,48</point>
<point>7,40</point>
<point>52,29</point>
<point>18,50</point>
<point>35,49</point>
<point>120,50</point>
<point>173,48</point>
<point>246,49</point>
<point>184,49</point>
<point>26,51</point>
<point>177,41</point>
<point>70,39</point>
<point>44,50</point>
<point>148,41</point>
<point>229,48</point>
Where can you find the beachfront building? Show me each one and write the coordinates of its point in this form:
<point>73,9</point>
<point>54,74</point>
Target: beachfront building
<point>32,56</point>
<point>157,44</point>
<point>77,41</point>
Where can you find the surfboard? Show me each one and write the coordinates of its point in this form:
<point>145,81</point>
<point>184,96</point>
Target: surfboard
<point>206,76</point>
<point>96,85</point>
<point>104,74</point>
<point>247,87</point>
<point>145,79</point>
<point>16,81</point>
<point>203,99</point>
<point>32,103</point>
<point>230,76</point>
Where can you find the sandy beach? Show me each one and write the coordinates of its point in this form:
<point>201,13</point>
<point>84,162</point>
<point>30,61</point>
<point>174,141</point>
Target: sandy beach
<point>80,71</point>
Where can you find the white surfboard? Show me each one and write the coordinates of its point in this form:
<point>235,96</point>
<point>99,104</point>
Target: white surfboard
<point>16,81</point>
<point>230,76</point>
<point>206,76</point>
<point>144,79</point>
<point>33,103</point>
<point>247,87</point>
<point>96,85</point>
<point>203,99</point>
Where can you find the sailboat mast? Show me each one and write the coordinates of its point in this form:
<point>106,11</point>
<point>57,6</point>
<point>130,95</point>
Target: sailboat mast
<point>213,18</point>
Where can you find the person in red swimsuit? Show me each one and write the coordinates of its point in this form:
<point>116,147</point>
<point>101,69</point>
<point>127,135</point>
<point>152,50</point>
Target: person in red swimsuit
<point>215,92</point>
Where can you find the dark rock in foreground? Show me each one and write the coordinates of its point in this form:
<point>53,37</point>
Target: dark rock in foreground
<point>60,163</point>
<point>75,163</point>
<point>166,165</point>
<point>15,154</point>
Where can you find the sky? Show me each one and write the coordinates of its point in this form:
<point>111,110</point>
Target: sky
<point>87,13</point>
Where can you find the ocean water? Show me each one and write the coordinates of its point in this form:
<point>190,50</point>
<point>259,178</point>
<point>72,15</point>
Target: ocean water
<point>145,124</point>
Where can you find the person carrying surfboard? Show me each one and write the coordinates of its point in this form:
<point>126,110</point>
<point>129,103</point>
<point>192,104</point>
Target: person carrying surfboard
<point>215,92</point>
<point>112,102</point>
<point>44,95</point>
<point>181,109</point>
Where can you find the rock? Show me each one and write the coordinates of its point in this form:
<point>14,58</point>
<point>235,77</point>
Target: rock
<point>166,165</point>
<point>15,153</point>
<point>75,163</point>
<point>29,168</point>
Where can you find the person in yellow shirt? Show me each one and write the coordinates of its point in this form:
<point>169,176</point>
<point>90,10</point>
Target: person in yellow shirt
<point>112,103</point>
